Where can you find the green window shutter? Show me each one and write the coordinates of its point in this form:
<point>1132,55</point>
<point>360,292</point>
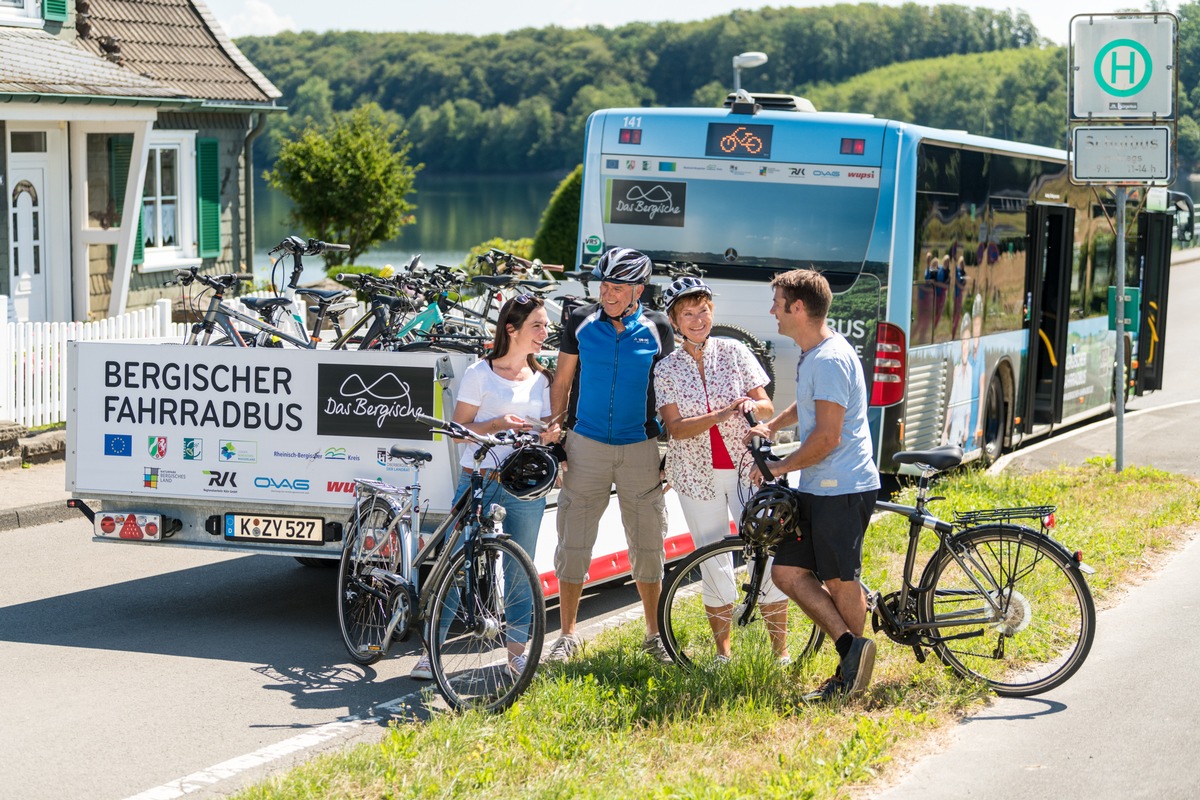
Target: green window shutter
<point>54,10</point>
<point>139,244</point>
<point>208,197</point>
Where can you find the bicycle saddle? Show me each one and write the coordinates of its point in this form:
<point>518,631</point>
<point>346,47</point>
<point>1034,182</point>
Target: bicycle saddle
<point>940,458</point>
<point>406,454</point>
<point>264,304</point>
<point>581,275</point>
<point>325,295</point>
<point>495,281</point>
<point>539,286</point>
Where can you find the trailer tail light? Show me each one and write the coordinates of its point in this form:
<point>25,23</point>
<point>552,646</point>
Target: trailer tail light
<point>890,367</point>
<point>132,526</point>
<point>854,147</point>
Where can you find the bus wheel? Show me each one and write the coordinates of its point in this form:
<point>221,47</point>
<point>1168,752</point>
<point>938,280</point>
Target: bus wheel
<point>756,346</point>
<point>995,411</point>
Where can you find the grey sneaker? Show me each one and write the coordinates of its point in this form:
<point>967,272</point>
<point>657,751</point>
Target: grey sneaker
<point>653,647</point>
<point>566,648</point>
<point>856,666</point>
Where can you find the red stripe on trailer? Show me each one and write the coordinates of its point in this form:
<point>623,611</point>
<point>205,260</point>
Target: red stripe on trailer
<point>616,564</point>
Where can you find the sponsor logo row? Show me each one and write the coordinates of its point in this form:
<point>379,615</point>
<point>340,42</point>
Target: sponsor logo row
<point>228,451</point>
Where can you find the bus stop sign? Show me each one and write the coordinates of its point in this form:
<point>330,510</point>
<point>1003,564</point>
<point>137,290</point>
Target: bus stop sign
<point>1123,67</point>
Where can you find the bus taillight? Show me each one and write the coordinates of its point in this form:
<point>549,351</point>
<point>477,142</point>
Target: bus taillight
<point>890,355</point>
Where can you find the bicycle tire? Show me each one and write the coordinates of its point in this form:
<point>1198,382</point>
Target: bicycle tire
<point>756,347</point>
<point>688,625</point>
<point>438,347</point>
<point>1049,617</point>
<point>471,667</point>
<point>363,616</point>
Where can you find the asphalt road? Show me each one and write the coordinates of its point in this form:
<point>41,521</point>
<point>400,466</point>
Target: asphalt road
<point>134,671</point>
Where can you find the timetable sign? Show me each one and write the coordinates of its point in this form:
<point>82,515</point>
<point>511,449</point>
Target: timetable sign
<point>1121,154</point>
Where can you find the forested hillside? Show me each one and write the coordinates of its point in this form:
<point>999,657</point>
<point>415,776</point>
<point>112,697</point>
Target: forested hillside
<point>518,101</point>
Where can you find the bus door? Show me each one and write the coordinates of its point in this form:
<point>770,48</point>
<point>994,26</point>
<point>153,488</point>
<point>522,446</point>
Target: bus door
<point>1154,255</point>
<point>1051,234</point>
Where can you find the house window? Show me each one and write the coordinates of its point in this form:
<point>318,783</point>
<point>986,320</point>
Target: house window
<point>160,198</point>
<point>21,12</point>
<point>168,221</point>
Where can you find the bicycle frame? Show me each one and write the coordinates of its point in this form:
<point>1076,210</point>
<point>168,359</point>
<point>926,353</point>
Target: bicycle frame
<point>220,314</point>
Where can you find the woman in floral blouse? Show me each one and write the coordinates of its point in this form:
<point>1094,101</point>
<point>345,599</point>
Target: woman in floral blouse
<point>703,389</point>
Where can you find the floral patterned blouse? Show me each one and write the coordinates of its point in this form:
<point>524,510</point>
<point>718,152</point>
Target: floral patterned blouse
<point>730,371</point>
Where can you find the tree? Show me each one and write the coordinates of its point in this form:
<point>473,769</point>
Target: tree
<point>558,232</point>
<point>348,181</point>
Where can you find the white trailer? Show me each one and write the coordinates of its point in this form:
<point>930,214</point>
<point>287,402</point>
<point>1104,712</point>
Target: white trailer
<point>256,450</point>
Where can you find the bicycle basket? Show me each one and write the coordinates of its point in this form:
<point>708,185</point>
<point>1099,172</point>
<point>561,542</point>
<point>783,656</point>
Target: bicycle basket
<point>528,473</point>
<point>771,515</point>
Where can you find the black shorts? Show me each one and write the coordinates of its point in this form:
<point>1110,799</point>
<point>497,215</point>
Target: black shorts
<point>831,535</point>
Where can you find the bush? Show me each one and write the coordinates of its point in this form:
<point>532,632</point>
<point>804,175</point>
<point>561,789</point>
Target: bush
<point>557,238</point>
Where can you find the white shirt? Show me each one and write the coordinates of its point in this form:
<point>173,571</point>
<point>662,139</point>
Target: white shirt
<point>498,396</point>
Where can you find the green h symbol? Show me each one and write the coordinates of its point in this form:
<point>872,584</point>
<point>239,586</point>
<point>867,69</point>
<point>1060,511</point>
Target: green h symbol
<point>1116,67</point>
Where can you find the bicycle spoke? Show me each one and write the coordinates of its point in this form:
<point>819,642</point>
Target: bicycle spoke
<point>1018,617</point>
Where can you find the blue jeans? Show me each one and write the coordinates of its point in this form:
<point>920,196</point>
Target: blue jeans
<point>521,524</point>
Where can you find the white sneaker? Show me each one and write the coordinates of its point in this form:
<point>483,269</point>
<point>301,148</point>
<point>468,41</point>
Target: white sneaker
<point>516,665</point>
<point>423,671</point>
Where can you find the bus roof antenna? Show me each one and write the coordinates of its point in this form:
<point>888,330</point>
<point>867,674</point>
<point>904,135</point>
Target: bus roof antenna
<point>743,103</point>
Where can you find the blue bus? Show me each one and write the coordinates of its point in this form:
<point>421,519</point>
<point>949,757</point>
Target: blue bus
<point>970,274</point>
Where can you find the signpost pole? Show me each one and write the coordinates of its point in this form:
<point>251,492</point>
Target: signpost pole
<point>1119,378</point>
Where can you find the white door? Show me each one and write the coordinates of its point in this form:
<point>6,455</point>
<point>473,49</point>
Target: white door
<point>27,207</point>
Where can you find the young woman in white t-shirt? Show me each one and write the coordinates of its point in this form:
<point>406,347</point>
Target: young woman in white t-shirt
<point>503,392</point>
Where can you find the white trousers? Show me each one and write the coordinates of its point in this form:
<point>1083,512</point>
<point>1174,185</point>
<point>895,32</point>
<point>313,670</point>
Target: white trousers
<point>708,522</point>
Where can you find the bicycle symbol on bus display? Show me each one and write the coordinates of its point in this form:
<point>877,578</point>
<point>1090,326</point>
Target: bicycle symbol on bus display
<point>741,138</point>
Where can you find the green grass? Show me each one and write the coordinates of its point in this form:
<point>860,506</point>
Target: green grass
<point>613,724</point>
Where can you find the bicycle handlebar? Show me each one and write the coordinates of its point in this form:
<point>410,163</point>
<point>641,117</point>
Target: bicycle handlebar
<point>186,276</point>
<point>460,431</point>
<point>313,247</point>
<point>760,450</point>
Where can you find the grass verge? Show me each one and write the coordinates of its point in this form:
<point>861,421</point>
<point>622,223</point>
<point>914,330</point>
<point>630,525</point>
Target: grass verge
<point>613,724</point>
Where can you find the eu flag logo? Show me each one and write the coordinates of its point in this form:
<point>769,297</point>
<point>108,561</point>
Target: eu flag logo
<point>118,444</point>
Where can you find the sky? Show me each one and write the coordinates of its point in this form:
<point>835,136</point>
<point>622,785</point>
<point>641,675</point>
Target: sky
<point>264,17</point>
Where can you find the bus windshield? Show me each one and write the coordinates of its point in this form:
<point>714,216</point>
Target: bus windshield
<point>722,211</point>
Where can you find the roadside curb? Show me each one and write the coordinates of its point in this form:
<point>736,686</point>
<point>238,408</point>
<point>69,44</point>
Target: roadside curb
<point>39,514</point>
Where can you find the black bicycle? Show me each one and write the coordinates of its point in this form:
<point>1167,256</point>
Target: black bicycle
<point>473,592</point>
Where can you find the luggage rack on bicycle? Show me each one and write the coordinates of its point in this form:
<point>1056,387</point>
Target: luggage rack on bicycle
<point>966,519</point>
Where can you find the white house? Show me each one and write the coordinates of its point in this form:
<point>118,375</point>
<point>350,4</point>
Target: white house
<point>125,138</point>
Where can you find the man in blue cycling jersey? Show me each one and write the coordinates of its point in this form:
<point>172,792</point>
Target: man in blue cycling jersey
<point>604,388</point>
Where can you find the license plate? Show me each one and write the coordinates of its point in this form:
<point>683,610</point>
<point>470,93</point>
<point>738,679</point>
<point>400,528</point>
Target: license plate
<point>269,528</point>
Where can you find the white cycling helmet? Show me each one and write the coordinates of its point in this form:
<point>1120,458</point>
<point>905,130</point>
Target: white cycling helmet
<point>682,287</point>
<point>623,265</point>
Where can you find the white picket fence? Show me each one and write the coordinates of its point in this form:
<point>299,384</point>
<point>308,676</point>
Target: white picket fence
<point>33,355</point>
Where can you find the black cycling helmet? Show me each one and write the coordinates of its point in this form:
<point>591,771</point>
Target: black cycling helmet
<point>770,516</point>
<point>528,473</point>
<point>623,265</point>
<point>682,287</point>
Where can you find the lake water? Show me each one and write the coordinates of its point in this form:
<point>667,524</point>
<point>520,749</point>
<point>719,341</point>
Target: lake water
<point>454,213</point>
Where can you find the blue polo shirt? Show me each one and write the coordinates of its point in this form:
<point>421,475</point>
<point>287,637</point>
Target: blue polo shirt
<point>612,395</point>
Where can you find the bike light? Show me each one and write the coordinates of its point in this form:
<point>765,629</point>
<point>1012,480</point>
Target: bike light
<point>497,512</point>
<point>1048,522</point>
<point>1078,556</point>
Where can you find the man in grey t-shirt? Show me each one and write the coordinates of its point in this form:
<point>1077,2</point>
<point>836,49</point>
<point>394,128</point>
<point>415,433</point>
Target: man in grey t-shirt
<point>838,479</point>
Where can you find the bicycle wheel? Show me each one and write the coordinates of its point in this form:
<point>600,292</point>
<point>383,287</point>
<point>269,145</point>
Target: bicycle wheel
<point>364,597</point>
<point>756,348</point>
<point>704,599</point>
<point>485,640</point>
<point>1034,626</point>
